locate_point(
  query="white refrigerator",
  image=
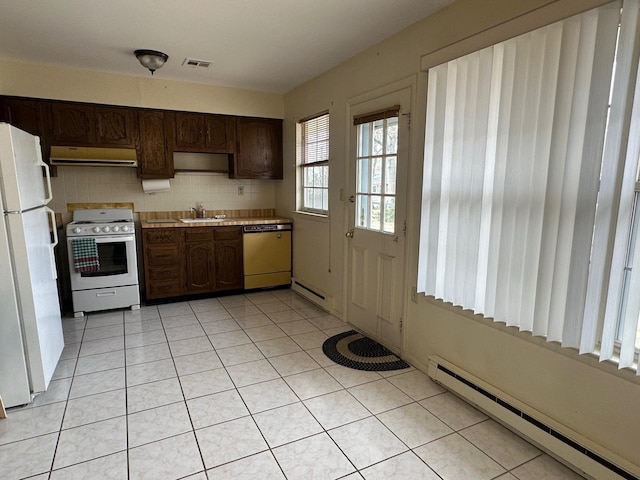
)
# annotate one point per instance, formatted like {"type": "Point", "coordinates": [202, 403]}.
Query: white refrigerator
{"type": "Point", "coordinates": [31, 338]}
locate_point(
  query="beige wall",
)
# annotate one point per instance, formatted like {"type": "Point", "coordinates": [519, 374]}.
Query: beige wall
{"type": "Point", "coordinates": [87, 184]}
{"type": "Point", "coordinates": [61, 83]}
{"type": "Point", "coordinates": [116, 185]}
{"type": "Point", "coordinates": [595, 400]}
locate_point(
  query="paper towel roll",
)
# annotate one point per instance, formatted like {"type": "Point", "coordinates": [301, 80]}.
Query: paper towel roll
{"type": "Point", "coordinates": [155, 186]}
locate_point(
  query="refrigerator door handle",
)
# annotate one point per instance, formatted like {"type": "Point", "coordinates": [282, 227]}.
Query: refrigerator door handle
{"type": "Point", "coordinates": [52, 256]}
{"type": "Point", "coordinates": [47, 175]}
{"type": "Point", "coordinates": [52, 216]}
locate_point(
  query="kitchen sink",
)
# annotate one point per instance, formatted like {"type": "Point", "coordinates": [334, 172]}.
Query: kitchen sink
{"type": "Point", "coordinates": [201, 220]}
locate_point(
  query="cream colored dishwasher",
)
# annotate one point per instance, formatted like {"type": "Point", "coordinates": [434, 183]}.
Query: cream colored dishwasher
{"type": "Point", "coordinates": [267, 255]}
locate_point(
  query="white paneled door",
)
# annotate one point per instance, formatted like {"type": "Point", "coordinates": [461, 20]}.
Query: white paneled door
{"type": "Point", "coordinates": [378, 163]}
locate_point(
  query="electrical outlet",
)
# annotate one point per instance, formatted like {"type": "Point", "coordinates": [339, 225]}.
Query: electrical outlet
{"type": "Point", "coordinates": [240, 189]}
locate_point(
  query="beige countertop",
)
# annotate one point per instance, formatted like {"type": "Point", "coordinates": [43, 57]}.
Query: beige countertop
{"type": "Point", "coordinates": [174, 222]}
{"type": "Point", "coordinates": [170, 219]}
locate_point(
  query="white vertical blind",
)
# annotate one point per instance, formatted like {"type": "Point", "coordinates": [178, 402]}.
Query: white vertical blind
{"type": "Point", "coordinates": [513, 146]}
{"type": "Point", "coordinates": [605, 289]}
{"type": "Point", "coordinates": [619, 176]}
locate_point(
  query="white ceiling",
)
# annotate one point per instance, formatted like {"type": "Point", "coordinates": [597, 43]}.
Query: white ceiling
{"type": "Point", "coordinates": [267, 45]}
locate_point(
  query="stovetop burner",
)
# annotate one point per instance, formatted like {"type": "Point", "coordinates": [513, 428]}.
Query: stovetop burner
{"type": "Point", "coordinates": [90, 222]}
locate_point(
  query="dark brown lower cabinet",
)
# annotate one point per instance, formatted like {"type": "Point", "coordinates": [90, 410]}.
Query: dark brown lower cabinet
{"type": "Point", "coordinates": [228, 258]}
{"type": "Point", "coordinates": [187, 261]}
{"type": "Point", "coordinates": [199, 260]}
{"type": "Point", "coordinates": [163, 262]}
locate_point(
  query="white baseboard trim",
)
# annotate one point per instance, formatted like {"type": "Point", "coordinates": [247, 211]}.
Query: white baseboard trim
{"type": "Point", "coordinates": [567, 446]}
{"type": "Point", "coordinates": [313, 294]}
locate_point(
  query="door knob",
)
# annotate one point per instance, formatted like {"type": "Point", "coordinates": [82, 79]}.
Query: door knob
{"type": "Point", "coordinates": [352, 198]}
{"type": "Point", "coordinates": [349, 233]}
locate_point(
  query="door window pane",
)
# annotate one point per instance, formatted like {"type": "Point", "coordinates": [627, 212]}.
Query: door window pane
{"type": "Point", "coordinates": [374, 219]}
{"type": "Point", "coordinates": [376, 168]}
{"type": "Point", "coordinates": [389, 214]}
{"type": "Point", "coordinates": [362, 211]}
{"type": "Point", "coordinates": [363, 176]}
{"type": "Point", "coordinates": [392, 136]}
{"type": "Point", "coordinates": [376, 175]}
{"type": "Point", "coordinates": [390, 176]}
{"type": "Point", "coordinates": [378, 137]}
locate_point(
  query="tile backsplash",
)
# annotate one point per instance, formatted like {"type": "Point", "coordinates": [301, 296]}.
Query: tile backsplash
{"type": "Point", "coordinates": [119, 184]}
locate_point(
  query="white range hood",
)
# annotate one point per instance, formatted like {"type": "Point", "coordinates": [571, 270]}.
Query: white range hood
{"type": "Point", "coordinates": [93, 156]}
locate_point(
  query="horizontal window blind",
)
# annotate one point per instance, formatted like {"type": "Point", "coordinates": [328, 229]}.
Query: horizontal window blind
{"type": "Point", "coordinates": [377, 115]}
{"type": "Point", "coordinates": [313, 159]}
{"type": "Point", "coordinates": [315, 140]}
{"type": "Point", "coordinates": [513, 148]}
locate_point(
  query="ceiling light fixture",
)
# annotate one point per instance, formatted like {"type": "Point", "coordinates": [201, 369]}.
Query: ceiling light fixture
{"type": "Point", "coordinates": [151, 59]}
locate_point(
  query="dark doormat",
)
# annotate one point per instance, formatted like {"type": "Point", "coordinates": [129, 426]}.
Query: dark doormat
{"type": "Point", "coordinates": [354, 350]}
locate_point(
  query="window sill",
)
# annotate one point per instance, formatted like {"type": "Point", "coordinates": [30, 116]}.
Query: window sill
{"type": "Point", "coordinates": [591, 359]}
{"type": "Point", "coordinates": [319, 216]}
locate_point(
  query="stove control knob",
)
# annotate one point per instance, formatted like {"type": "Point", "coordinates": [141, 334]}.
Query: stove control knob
{"type": "Point", "coordinates": [115, 229]}
{"type": "Point", "coordinates": [125, 228]}
{"type": "Point", "coordinates": [77, 230]}
{"type": "Point", "coordinates": [105, 229]}
{"type": "Point", "coordinates": [96, 229]}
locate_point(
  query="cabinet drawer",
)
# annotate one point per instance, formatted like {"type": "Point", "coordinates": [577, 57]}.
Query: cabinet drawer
{"type": "Point", "coordinates": [198, 235]}
{"type": "Point", "coordinates": [163, 289]}
{"type": "Point", "coordinates": [162, 256]}
{"type": "Point", "coordinates": [160, 274]}
{"type": "Point", "coordinates": [161, 236]}
{"type": "Point", "coordinates": [227, 233]}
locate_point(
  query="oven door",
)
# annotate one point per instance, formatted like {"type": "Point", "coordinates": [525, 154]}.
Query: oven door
{"type": "Point", "coordinates": [118, 265]}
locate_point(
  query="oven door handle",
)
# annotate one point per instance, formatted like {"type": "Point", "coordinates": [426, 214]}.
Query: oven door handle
{"type": "Point", "coordinates": [123, 238]}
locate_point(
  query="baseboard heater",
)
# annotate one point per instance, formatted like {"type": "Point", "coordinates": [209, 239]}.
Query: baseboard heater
{"type": "Point", "coordinates": [570, 448]}
{"type": "Point", "coordinates": [312, 294]}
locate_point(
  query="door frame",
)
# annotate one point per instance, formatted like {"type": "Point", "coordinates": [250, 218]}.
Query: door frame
{"type": "Point", "coordinates": [409, 83]}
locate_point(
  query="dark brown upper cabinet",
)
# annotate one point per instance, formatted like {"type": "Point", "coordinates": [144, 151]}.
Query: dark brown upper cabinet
{"type": "Point", "coordinates": [155, 157]}
{"type": "Point", "coordinates": [26, 114]}
{"type": "Point", "coordinates": [71, 124]}
{"type": "Point", "coordinates": [258, 148]}
{"type": "Point", "coordinates": [199, 132]}
{"type": "Point", "coordinates": [77, 124]}
{"type": "Point", "coordinates": [115, 126]}
{"type": "Point", "coordinates": [254, 144]}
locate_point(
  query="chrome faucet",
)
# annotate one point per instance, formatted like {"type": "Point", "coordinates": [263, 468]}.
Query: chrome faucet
{"type": "Point", "coordinates": [199, 210]}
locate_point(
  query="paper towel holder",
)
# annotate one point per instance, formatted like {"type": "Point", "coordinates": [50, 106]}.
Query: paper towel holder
{"type": "Point", "coordinates": [153, 186]}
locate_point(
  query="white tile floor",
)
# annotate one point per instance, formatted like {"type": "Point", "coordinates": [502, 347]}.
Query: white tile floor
{"type": "Point", "coordinates": [238, 387]}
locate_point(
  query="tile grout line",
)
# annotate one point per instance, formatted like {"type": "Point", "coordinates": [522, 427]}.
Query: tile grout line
{"type": "Point", "coordinates": [64, 413]}
{"type": "Point", "coordinates": [184, 398]}
{"type": "Point", "coordinates": [269, 361]}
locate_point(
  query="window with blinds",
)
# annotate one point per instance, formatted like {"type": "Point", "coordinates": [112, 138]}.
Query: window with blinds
{"type": "Point", "coordinates": [313, 162]}
{"type": "Point", "coordinates": [529, 207]}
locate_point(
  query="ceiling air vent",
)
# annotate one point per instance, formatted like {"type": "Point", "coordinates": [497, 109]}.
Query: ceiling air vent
{"type": "Point", "coordinates": [193, 63]}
